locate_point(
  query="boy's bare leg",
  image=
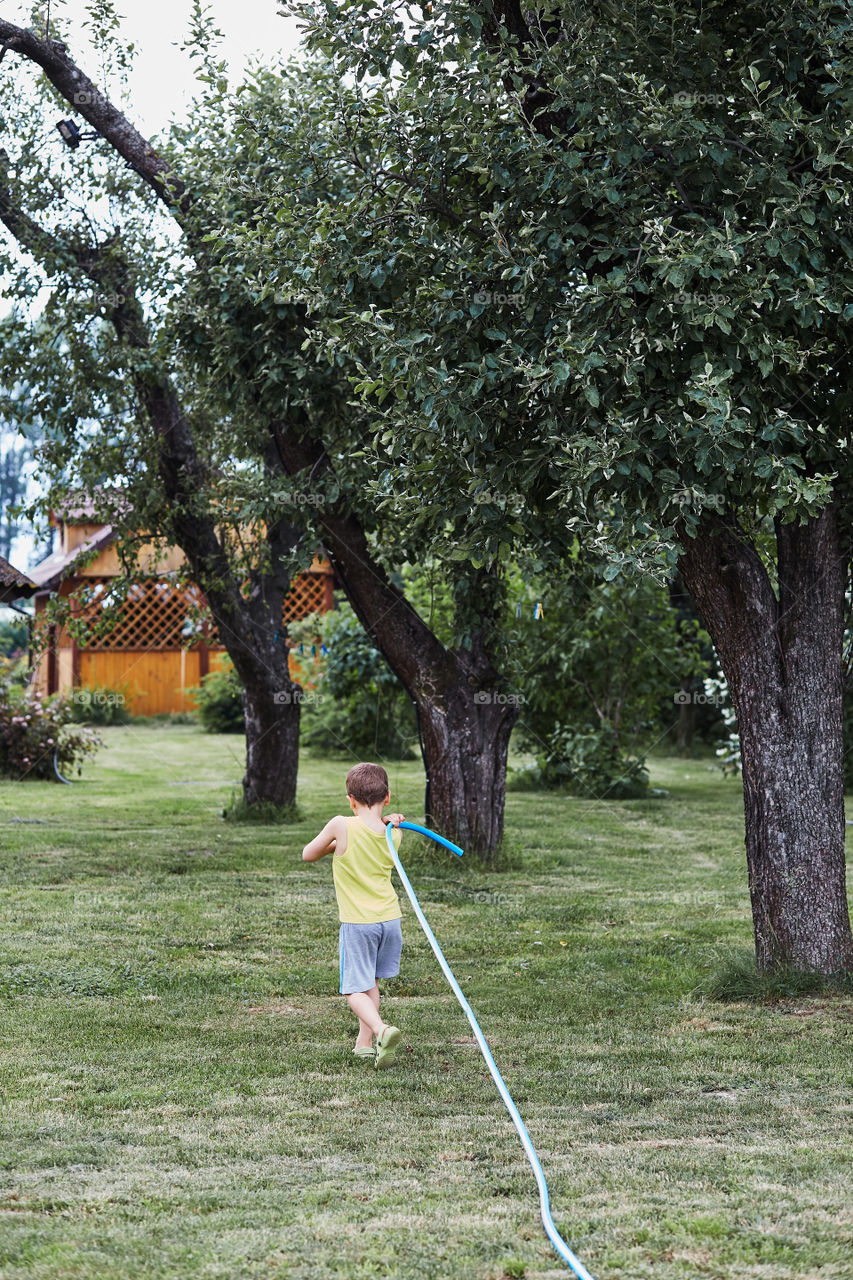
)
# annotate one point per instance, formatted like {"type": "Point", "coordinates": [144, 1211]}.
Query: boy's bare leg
{"type": "Point", "coordinates": [365, 1006]}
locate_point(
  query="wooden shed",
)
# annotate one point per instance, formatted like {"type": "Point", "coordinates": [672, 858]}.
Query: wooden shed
{"type": "Point", "coordinates": [156, 649]}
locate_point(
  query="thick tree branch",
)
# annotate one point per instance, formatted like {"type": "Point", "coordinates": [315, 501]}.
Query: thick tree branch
{"type": "Point", "coordinates": [726, 578]}
{"type": "Point", "coordinates": [539, 99]}
{"type": "Point", "coordinates": [383, 610]}
{"type": "Point", "coordinates": [76, 87]}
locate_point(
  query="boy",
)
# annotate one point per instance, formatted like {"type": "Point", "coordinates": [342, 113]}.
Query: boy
{"type": "Point", "coordinates": [370, 937]}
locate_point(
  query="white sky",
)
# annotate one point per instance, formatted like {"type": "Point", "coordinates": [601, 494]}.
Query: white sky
{"type": "Point", "coordinates": [162, 77]}
{"type": "Point", "coordinates": [161, 82]}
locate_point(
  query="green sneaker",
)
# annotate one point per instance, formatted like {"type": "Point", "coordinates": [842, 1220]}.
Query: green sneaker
{"type": "Point", "coordinates": [386, 1046]}
{"type": "Point", "coordinates": [365, 1051]}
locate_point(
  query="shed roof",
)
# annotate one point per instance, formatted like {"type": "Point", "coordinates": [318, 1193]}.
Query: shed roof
{"type": "Point", "coordinates": [13, 583]}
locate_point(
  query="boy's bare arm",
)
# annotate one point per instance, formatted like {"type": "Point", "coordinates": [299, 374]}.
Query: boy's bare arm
{"type": "Point", "coordinates": [331, 837]}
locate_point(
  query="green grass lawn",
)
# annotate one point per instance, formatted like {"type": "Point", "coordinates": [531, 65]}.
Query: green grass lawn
{"type": "Point", "coordinates": [177, 1092]}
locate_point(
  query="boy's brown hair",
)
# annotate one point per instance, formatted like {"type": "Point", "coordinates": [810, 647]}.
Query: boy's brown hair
{"type": "Point", "coordinates": [367, 783]}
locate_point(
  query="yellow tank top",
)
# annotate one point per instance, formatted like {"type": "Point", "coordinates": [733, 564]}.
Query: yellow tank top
{"type": "Point", "coordinates": [363, 876]}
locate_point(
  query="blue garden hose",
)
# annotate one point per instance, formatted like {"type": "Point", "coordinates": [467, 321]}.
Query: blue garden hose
{"type": "Point", "coordinates": [544, 1202]}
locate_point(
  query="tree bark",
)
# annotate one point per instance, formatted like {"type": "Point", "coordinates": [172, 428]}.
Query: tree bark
{"type": "Point", "coordinates": [782, 658]}
{"type": "Point", "coordinates": [465, 742]}
{"type": "Point", "coordinates": [464, 718]}
{"type": "Point", "coordinates": [271, 706]}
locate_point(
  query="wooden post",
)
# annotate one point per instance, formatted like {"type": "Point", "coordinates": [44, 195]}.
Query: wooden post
{"type": "Point", "coordinates": [52, 673]}
{"type": "Point", "coordinates": [203, 655]}
{"type": "Point", "coordinates": [75, 664]}
{"type": "Point", "coordinates": [75, 648]}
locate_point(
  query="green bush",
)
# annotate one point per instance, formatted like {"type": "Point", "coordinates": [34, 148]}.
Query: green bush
{"type": "Point", "coordinates": [585, 764]}
{"type": "Point", "coordinates": [353, 704]}
{"type": "Point", "coordinates": [14, 637]}
{"type": "Point", "coordinates": [180, 717]}
{"type": "Point", "coordinates": [99, 704]}
{"type": "Point", "coordinates": [595, 667]}
{"type": "Point", "coordinates": [604, 655]}
{"type": "Point", "coordinates": [14, 671]}
{"type": "Point", "coordinates": [35, 731]}
{"type": "Point", "coordinates": [219, 699]}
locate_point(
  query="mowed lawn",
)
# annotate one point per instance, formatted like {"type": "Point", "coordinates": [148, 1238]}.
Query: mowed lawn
{"type": "Point", "coordinates": [178, 1097]}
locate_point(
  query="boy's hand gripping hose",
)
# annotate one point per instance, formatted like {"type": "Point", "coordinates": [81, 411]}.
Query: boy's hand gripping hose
{"type": "Point", "coordinates": [544, 1203]}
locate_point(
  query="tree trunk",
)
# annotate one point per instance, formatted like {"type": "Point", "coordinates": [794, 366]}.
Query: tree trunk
{"type": "Point", "coordinates": [465, 721]}
{"type": "Point", "coordinates": [465, 744]}
{"type": "Point", "coordinates": [782, 658]}
{"type": "Point", "coordinates": [272, 740]}
{"type": "Point", "coordinates": [251, 628]}
{"type": "Point", "coordinates": [254, 638]}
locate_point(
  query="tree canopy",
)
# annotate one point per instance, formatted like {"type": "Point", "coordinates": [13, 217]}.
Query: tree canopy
{"type": "Point", "coordinates": [584, 255]}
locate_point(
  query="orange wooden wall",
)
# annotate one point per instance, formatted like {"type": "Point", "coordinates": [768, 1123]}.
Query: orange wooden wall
{"type": "Point", "coordinates": [154, 681]}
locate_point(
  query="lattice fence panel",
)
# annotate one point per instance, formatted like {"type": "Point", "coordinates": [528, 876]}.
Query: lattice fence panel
{"type": "Point", "coordinates": [307, 594]}
{"type": "Point", "coordinates": [155, 614]}
{"type": "Point", "coordinates": [159, 614]}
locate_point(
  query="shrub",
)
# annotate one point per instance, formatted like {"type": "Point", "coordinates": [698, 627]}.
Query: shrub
{"type": "Point", "coordinates": [14, 671]}
{"type": "Point", "coordinates": [219, 699]}
{"type": "Point", "coordinates": [595, 668]}
{"type": "Point", "coordinates": [99, 704]}
{"type": "Point", "coordinates": [35, 731]}
{"type": "Point", "coordinates": [14, 637]}
{"type": "Point", "coordinates": [181, 717]}
{"type": "Point", "coordinates": [357, 706]}
{"type": "Point", "coordinates": [585, 763]}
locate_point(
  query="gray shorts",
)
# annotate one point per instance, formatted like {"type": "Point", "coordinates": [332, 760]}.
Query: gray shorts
{"type": "Point", "coordinates": [368, 952]}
